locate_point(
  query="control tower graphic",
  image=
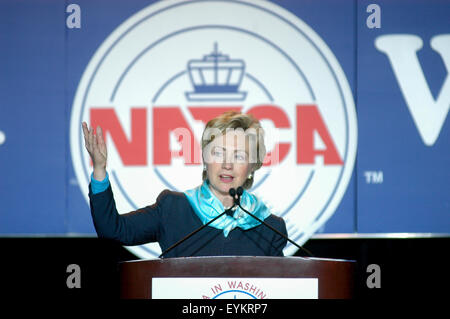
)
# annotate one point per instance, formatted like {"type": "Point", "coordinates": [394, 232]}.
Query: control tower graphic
{"type": "Point", "coordinates": [216, 77]}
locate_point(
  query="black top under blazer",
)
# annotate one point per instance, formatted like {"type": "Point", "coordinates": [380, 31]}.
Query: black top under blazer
{"type": "Point", "coordinates": [171, 218]}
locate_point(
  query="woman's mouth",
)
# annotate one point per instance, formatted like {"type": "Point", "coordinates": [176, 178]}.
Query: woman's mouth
{"type": "Point", "coordinates": [226, 178]}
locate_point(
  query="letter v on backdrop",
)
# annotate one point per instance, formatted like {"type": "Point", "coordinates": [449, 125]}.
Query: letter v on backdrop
{"type": "Point", "coordinates": [428, 114]}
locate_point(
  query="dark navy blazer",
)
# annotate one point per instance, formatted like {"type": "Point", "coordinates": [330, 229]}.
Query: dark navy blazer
{"type": "Point", "coordinates": [171, 218]}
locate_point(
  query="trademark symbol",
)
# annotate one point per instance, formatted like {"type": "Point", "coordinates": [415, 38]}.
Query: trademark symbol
{"type": "Point", "coordinates": [374, 177]}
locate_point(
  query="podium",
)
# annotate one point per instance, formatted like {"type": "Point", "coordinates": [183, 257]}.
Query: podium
{"type": "Point", "coordinates": [334, 278]}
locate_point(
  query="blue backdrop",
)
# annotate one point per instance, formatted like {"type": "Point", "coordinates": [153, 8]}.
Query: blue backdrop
{"type": "Point", "coordinates": [399, 183]}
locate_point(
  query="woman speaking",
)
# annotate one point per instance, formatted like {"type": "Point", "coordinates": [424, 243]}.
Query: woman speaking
{"type": "Point", "coordinates": [232, 150]}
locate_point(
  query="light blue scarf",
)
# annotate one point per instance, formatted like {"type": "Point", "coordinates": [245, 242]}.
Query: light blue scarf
{"type": "Point", "coordinates": [207, 206]}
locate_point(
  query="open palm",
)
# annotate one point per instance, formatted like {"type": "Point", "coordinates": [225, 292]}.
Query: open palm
{"type": "Point", "coordinates": [96, 146]}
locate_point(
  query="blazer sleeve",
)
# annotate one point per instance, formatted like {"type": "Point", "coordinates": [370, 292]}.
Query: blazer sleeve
{"type": "Point", "coordinates": [134, 228]}
{"type": "Point", "coordinates": [279, 242]}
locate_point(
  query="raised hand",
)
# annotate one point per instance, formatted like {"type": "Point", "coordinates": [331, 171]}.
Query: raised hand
{"type": "Point", "coordinates": [96, 147]}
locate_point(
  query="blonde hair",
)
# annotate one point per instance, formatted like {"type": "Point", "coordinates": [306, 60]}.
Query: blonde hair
{"type": "Point", "coordinates": [237, 120]}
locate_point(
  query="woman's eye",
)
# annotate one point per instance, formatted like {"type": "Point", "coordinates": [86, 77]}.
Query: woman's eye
{"type": "Point", "coordinates": [240, 157]}
{"type": "Point", "coordinates": [217, 153]}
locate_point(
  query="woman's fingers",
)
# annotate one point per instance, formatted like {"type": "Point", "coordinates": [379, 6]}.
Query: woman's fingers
{"type": "Point", "coordinates": [94, 143]}
{"type": "Point", "coordinates": [96, 140]}
{"type": "Point", "coordinates": [85, 129]}
{"type": "Point", "coordinates": [86, 136]}
{"type": "Point", "coordinates": [100, 136]}
{"type": "Point", "coordinates": [101, 141]}
{"type": "Point", "coordinates": [91, 139]}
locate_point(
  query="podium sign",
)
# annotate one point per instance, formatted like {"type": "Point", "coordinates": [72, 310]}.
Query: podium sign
{"type": "Point", "coordinates": [235, 288]}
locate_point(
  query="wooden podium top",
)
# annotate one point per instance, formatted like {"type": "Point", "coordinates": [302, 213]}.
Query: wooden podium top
{"type": "Point", "coordinates": [336, 277]}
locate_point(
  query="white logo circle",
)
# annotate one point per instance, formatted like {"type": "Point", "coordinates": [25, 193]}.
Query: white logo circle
{"type": "Point", "coordinates": [178, 63]}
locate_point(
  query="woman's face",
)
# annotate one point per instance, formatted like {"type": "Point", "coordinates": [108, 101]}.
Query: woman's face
{"type": "Point", "coordinates": [227, 162]}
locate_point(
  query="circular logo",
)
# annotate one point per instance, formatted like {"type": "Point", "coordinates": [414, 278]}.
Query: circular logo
{"type": "Point", "coordinates": [163, 73]}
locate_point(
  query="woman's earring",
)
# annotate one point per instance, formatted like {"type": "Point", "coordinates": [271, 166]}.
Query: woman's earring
{"type": "Point", "coordinates": [204, 168]}
{"type": "Point", "coordinates": [250, 176]}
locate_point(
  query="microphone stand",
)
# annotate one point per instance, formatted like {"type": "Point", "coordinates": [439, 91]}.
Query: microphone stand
{"type": "Point", "coordinates": [237, 201]}
{"type": "Point", "coordinates": [227, 211]}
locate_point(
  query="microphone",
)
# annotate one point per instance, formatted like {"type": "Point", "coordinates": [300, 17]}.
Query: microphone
{"type": "Point", "coordinates": [226, 211]}
{"type": "Point", "coordinates": [237, 201]}
{"type": "Point", "coordinates": [233, 193]}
